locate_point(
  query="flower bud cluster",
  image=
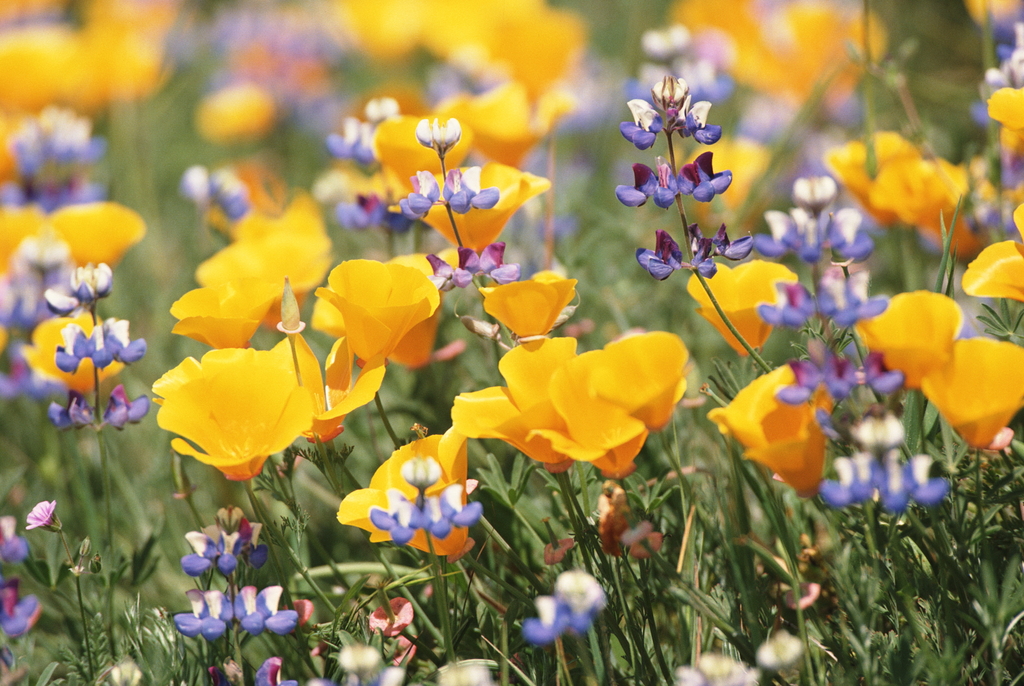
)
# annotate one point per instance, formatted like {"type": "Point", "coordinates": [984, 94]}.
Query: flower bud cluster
{"type": "Point", "coordinates": [490, 262]}
{"type": "Point", "coordinates": [222, 189]}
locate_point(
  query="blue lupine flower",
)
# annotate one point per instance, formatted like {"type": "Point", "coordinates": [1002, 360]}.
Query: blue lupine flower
{"type": "Point", "coordinates": [17, 615]}
{"type": "Point", "coordinates": [795, 308]}
{"type": "Point", "coordinates": [13, 548]}
{"type": "Point", "coordinates": [838, 373]}
{"type": "Point", "coordinates": [258, 611]}
{"type": "Point", "coordinates": [695, 124]}
{"type": "Point", "coordinates": [121, 410]}
{"type": "Point", "coordinates": [700, 180]}
{"type": "Point", "coordinates": [462, 191]}
{"type": "Point", "coordinates": [355, 142]}
{"type": "Point", "coordinates": [646, 124]}
{"type": "Point", "coordinates": [425, 193]}
{"type": "Point", "coordinates": [222, 189]}
{"type": "Point", "coordinates": [23, 380]}
{"type": "Point", "coordinates": [858, 477]}
{"type": "Point", "coordinates": [899, 484]}
{"type": "Point", "coordinates": [846, 300]}
{"type": "Point", "coordinates": [645, 182]}
{"type": "Point", "coordinates": [366, 211]}
{"type": "Point", "coordinates": [117, 341]}
{"type": "Point", "coordinates": [682, 115]}
{"type": "Point", "coordinates": [847, 237]}
{"type": "Point", "coordinates": [490, 262]}
{"type": "Point", "coordinates": [223, 544]}
{"type": "Point", "coordinates": [77, 347]}
{"type": "Point", "coordinates": [664, 259]}
{"type": "Point", "coordinates": [88, 284]}
{"type": "Point", "coordinates": [269, 674]}
{"type": "Point", "coordinates": [211, 612]}
{"type": "Point", "coordinates": [879, 378]}
{"type": "Point", "coordinates": [77, 413]}
{"type": "Point", "coordinates": [576, 603]}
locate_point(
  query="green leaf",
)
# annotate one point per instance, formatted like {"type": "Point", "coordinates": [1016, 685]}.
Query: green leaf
{"type": "Point", "coordinates": [44, 678]}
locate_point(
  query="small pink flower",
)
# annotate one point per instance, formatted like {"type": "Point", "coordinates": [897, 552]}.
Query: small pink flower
{"type": "Point", "coordinates": [1002, 439]}
{"type": "Point", "coordinates": [42, 515]}
{"type": "Point", "coordinates": [552, 555]}
{"type": "Point", "coordinates": [304, 608]}
{"type": "Point", "coordinates": [405, 653]}
{"type": "Point", "coordinates": [635, 539]}
{"type": "Point", "coordinates": [809, 592]}
{"type": "Point", "coordinates": [403, 612]}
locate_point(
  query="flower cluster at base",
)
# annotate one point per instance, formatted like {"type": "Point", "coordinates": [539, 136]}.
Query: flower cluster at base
{"type": "Point", "coordinates": [667, 258]}
{"type": "Point", "coordinates": [224, 544]}
{"type": "Point", "coordinates": [577, 600]}
{"type": "Point", "coordinates": [254, 612]}
{"type": "Point", "coordinates": [490, 262]}
{"type": "Point", "coordinates": [17, 615]}
{"type": "Point", "coordinates": [435, 515]}
{"type": "Point", "coordinates": [461, 193]}
{"type": "Point", "coordinates": [78, 412]}
{"type": "Point", "coordinates": [843, 299]}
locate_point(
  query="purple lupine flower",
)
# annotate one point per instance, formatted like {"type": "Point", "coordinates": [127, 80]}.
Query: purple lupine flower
{"type": "Point", "coordinates": [258, 611]}
{"type": "Point", "coordinates": [218, 677]}
{"type": "Point", "coordinates": [847, 237]}
{"type": "Point", "coordinates": [77, 347]}
{"type": "Point", "coordinates": [269, 674]}
{"type": "Point", "coordinates": [798, 232]}
{"type": "Point", "coordinates": [355, 142]}
{"type": "Point", "coordinates": [699, 179]}
{"type": "Point", "coordinates": [17, 615]}
{"type": "Point", "coordinates": [837, 373]}
{"type": "Point", "coordinates": [88, 284]}
{"type": "Point", "coordinates": [117, 341]}
{"type": "Point", "coordinates": [366, 211]}
{"type": "Point", "coordinates": [77, 413]}
{"type": "Point", "coordinates": [121, 410]}
{"type": "Point", "coordinates": [879, 378]}
{"type": "Point", "coordinates": [211, 612]}
{"type": "Point", "coordinates": [223, 544]}
{"type": "Point", "coordinates": [42, 516]}
{"type": "Point", "coordinates": [425, 193]}
{"type": "Point", "coordinates": [455, 512]}
{"type": "Point", "coordinates": [846, 300]}
{"type": "Point", "coordinates": [645, 183]}
{"type": "Point", "coordinates": [490, 262]}
{"type": "Point", "coordinates": [695, 124]}
{"type": "Point", "coordinates": [462, 191]}
{"type": "Point", "coordinates": [24, 380]}
{"type": "Point", "coordinates": [858, 477]}
{"type": "Point", "coordinates": [13, 548]}
{"type": "Point", "coordinates": [577, 600]}
{"type": "Point", "coordinates": [795, 307]}
{"type": "Point", "coordinates": [668, 185]}
{"type": "Point", "coordinates": [402, 518]}
{"type": "Point", "coordinates": [899, 484]}
{"type": "Point", "coordinates": [731, 250]}
{"type": "Point", "coordinates": [683, 116]}
{"type": "Point", "coordinates": [664, 259]}
{"type": "Point", "coordinates": [643, 130]}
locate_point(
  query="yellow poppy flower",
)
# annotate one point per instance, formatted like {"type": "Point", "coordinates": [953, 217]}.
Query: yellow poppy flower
{"type": "Point", "coordinates": [401, 155]}
{"type": "Point", "coordinates": [979, 389]}
{"type": "Point", "coordinates": [505, 124]}
{"type": "Point", "coordinates": [379, 303]}
{"type": "Point", "coordinates": [98, 231]}
{"type": "Point", "coordinates": [41, 355]}
{"type": "Point", "coordinates": [915, 334]}
{"type": "Point", "coordinates": [3, 339]}
{"type": "Point", "coordinates": [785, 438]}
{"type": "Point", "coordinates": [226, 315]}
{"type": "Point", "coordinates": [340, 393]}
{"type": "Point", "coordinates": [235, 114]}
{"type": "Point", "coordinates": [449, 451]}
{"type": "Point", "coordinates": [17, 224]}
{"type": "Point", "coordinates": [998, 272]}
{"type": "Point", "coordinates": [37, 62]}
{"type": "Point", "coordinates": [739, 290]}
{"type": "Point", "coordinates": [239, 406]}
{"type": "Point", "coordinates": [1006, 106]}
{"type": "Point", "coordinates": [529, 308]}
{"type": "Point", "coordinates": [117, 61]}
{"type": "Point", "coordinates": [480, 228]}
{"type": "Point", "coordinates": [849, 164]}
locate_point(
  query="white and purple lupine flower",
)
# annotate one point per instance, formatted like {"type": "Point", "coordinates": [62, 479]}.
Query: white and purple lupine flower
{"type": "Point", "coordinates": [77, 413]}
{"type": "Point", "coordinates": [882, 380]}
{"type": "Point", "coordinates": [440, 137]}
{"type": "Point", "coordinates": [462, 191]}
{"type": "Point", "coordinates": [88, 284]}
{"type": "Point", "coordinates": [13, 548]}
{"type": "Point", "coordinates": [796, 306]}
{"type": "Point", "coordinates": [269, 674]}
{"type": "Point", "coordinates": [665, 259]}
{"type": "Point", "coordinates": [258, 611]}
{"type": "Point", "coordinates": [104, 345]}
{"type": "Point", "coordinates": [222, 189]}
{"type": "Point", "coordinates": [807, 235]}
{"type": "Point", "coordinates": [682, 115]}
{"type": "Point", "coordinates": [122, 410]}
{"type": "Point", "coordinates": [646, 124]}
{"type": "Point", "coordinates": [858, 477]}
{"type": "Point", "coordinates": [17, 615]}
{"type": "Point", "coordinates": [425, 193]}
{"type": "Point", "coordinates": [576, 603]}
{"type": "Point", "coordinates": [369, 211]}
{"type": "Point", "coordinates": [365, 668]}
{"type": "Point", "coordinates": [217, 546]}
{"type": "Point", "coordinates": [897, 484]}
{"type": "Point", "coordinates": [211, 611]}
{"type": "Point", "coordinates": [699, 179]}
{"type": "Point", "coordinates": [837, 373]}
{"type": "Point", "coordinates": [659, 183]}
{"type": "Point", "coordinates": [355, 142]}
{"type": "Point", "coordinates": [846, 300]}
{"type": "Point", "coordinates": [490, 262]}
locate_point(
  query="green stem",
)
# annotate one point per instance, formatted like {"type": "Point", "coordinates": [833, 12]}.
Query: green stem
{"type": "Point", "coordinates": [81, 609]}
{"type": "Point", "coordinates": [451, 215]}
{"type": "Point", "coordinates": [387, 424]}
{"type": "Point", "coordinates": [871, 160]}
{"type": "Point", "coordinates": [441, 596]}
{"type": "Point", "coordinates": [765, 367]}
{"type": "Point", "coordinates": [513, 555]}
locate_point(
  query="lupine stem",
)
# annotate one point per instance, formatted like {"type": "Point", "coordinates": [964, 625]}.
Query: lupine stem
{"type": "Point", "coordinates": [448, 207]}
{"type": "Point", "coordinates": [81, 608]}
{"type": "Point", "coordinates": [441, 594]}
{"type": "Point", "coordinates": [732, 329]}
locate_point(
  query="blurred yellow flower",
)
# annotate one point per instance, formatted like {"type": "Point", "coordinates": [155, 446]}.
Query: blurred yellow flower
{"type": "Point", "coordinates": [401, 155]}
{"type": "Point", "coordinates": [98, 231]}
{"type": "Point", "coordinates": [379, 303]}
{"type": "Point", "coordinates": [739, 290]}
{"type": "Point", "coordinates": [17, 224]}
{"type": "Point", "coordinates": [449, 451]}
{"type": "Point", "coordinates": [480, 228]}
{"type": "Point", "coordinates": [850, 165]}
{"type": "Point", "coordinates": [915, 334]}
{"type": "Point", "coordinates": [979, 389]}
{"type": "Point", "coordinates": [505, 124]}
{"type": "Point", "coordinates": [226, 315]}
{"type": "Point", "coordinates": [1006, 106]}
{"type": "Point", "coordinates": [596, 407]}
{"type": "Point", "coordinates": [238, 406]}
{"type": "Point", "coordinates": [235, 114]}
{"type": "Point", "coordinates": [339, 393]}
{"type": "Point", "coordinates": [785, 438]}
{"type": "Point", "coordinates": [41, 355]}
{"type": "Point", "coordinates": [1000, 9]}
{"type": "Point", "coordinates": [998, 272]}
{"type": "Point", "coordinates": [37, 62]}
{"type": "Point", "coordinates": [529, 308]}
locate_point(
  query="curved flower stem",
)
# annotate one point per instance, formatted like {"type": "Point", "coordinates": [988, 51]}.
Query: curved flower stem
{"type": "Point", "coordinates": [441, 594]}
{"type": "Point", "coordinates": [451, 215]}
{"type": "Point", "coordinates": [765, 367]}
{"type": "Point", "coordinates": [387, 424]}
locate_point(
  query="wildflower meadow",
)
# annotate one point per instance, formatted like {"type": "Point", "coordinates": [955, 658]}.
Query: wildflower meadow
{"type": "Point", "coordinates": [533, 342]}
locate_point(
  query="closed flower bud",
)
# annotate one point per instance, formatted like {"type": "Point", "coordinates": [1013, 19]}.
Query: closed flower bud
{"type": "Point", "coordinates": [421, 472]}
{"type": "Point", "coordinates": [440, 137]}
{"type": "Point", "coordinates": [670, 93]}
{"type": "Point", "coordinates": [814, 193]}
{"type": "Point", "coordinates": [482, 329]}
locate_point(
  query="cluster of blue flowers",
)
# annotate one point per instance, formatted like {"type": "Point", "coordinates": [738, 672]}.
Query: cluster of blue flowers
{"type": "Point", "coordinates": [490, 262]}
{"type": "Point", "coordinates": [434, 514]}
{"type": "Point", "coordinates": [577, 600]}
{"type": "Point", "coordinates": [842, 299]}
{"type": "Point", "coordinates": [17, 615]}
{"type": "Point", "coordinates": [667, 258]}
{"type": "Point", "coordinates": [221, 189]}
{"type": "Point", "coordinates": [232, 539]}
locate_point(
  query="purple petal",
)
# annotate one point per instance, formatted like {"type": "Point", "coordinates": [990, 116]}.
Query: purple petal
{"type": "Point", "coordinates": [486, 199]}
{"type": "Point", "coordinates": [627, 195]}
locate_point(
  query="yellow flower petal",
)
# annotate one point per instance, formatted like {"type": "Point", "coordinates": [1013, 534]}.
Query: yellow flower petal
{"type": "Point", "coordinates": [1006, 106]}
{"type": "Point", "coordinates": [226, 315]}
{"type": "Point", "coordinates": [235, 114]}
{"type": "Point", "coordinates": [98, 231]}
{"type": "Point", "coordinates": [998, 272]}
{"type": "Point", "coordinates": [529, 308]}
